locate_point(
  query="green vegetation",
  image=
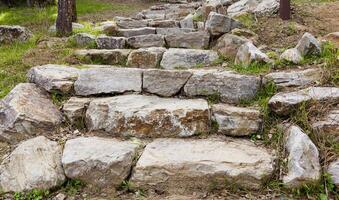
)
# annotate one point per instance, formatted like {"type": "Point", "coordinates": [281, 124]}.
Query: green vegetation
{"type": "Point", "coordinates": [248, 20]}
{"type": "Point", "coordinates": [89, 28]}
{"type": "Point", "coordinates": [32, 195]}
{"type": "Point", "coordinates": [253, 68]}
{"type": "Point", "coordinates": [72, 187]}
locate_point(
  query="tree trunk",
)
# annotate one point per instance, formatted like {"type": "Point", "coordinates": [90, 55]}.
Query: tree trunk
{"type": "Point", "coordinates": [285, 9]}
{"type": "Point", "coordinates": [64, 19]}
{"type": "Point", "coordinates": [74, 13]}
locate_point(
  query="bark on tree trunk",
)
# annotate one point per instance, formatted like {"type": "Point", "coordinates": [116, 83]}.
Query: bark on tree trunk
{"type": "Point", "coordinates": [64, 19]}
{"type": "Point", "coordinates": [74, 13]}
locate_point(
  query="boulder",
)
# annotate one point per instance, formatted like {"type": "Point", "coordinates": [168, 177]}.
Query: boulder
{"type": "Point", "coordinates": [267, 7]}
{"type": "Point", "coordinates": [75, 108]}
{"type": "Point", "coordinates": [284, 102]}
{"type": "Point", "coordinates": [188, 165]}
{"type": "Point", "coordinates": [170, 31]}
{"type": "Point", "coordinates": [308, 45]}
{"type": "Point", "coordinates": [329, 123]}
{"type": "Point", "coordinates": [10, 34]}
{"type": "Point", "coordinates": [27, 111]}
{"type": "Point", "coordinates": [144, 41]}
{"type": "Point", "coordinates": [236, 121]}
{"type": "Point", "coordinates": [191, 40]}
{"type": "Point", "coordinates": [228, 45]}
{"type": "Point", "coordinates": [295, 78]}
{"type": "Point", "coordinates": [148, 116]}
{"type": "Point", "coordinates": [218, 24]}
{"type": "Point", "coordinates": [175, 58]}
{"type": "Point", "coordinates": [126, 23]}
{"type": "Point", "coordinates": [333, 170]}
{"type": "Point", "coordinates": [303, 158]}
{"type": "Point", "coordinates": [164, 23]}
{"type": "Point", "coordinates": [248, 53]}
{"type": "Point", "coordinates": [165, 82]}
{"type": "Point", "coordinates": [187, 22]}
{"type": "Point", "coordinates": [246, 33]}
{"type": "Point", "coordinates": [146, 57]}
{"type": "Point", "coordinates": [136, 32]}
{"type": "Point", "coordinates": [291, 55]}
{"type": "Point", "coordinates": [258, 7]}
{"type": "Point", "coordinates": [84, 39]}
{"type": "Point", "coordinates": [226, 85]}
{"type": "Point", "coordinates": [34, 164]}
{"type": "Point", "coordinates": [104, 56]}
{"type": "Point", "coordinates": [218, 6]}
{"type": "Point", "coordinates": [99, 162]}
{"type": "Point", "coordinates": [109, 42]}
{"type": "Point", "coordinates": [108, 81]}
{"type": "Point", "coordinates": [54, 78]}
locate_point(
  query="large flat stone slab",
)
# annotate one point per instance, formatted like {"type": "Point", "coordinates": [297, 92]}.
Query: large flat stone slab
{"type": "Point", "coordinates": [108, 81]}
{"type": "Point", "coordinates": [229, 86]}
{"type": "Point", "coordinates": [34, 164]}
{"type": "Point", "coordinates": [104, 56]}
{"type": "Point", "coordinates": [27, 111]}
{"type": "Point", "coordinates": [144, 41]}
{"type": "Point", "coordinates": [284, 102]}
{"type": "Point", "coordinates": [148, 116]}
{"type": "Point", "coordinates": [187, 58]}
{"type": "Point", "coordinates": [329, 123]}
{"type": "Point", "coordinates": [100, 162]}
{"type": "Point", "coordinates": [146, 57]}
{"type": "Point", "coordinates": [186, 165]}
{"type": "Point", "coordinates": [109, 42]}
{"type": "Point", "coordinates": [190, 40]}
{"type": "Point", "coordinates": [58, 78]}
{"type": "Point", "coordinates": [136, 31]}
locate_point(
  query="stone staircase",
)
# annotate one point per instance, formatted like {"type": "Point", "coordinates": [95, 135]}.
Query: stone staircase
{"type": "Point", "coordinates": [145, 114]}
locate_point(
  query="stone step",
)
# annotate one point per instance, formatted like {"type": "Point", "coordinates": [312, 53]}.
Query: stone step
{"type": "Point", "coordinates": [227, 86]}
{"type": "Point", "coordinates": [186, 165]}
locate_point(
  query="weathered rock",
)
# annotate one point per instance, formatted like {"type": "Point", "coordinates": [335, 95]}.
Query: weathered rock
{"type": "Point", "coordinates": [228, 45]}
{"type": "Point", "coordinates": [59, 78]}
{"type": "Point", "coordinates": [170, 31]}
{"type": "Point", "coordinates": [108, 81]}
{"type": "Point", "coordinates": [258, 7]}
{"type": "Point", "coordinates": [75, 109]}
{"type": "Point", "coordinates": [200, 26]}
{"type": "Point", "coordinates": [34, 164]}
{"type": "Point", "coordinates": [148, 116]}
{"type": "Point", "coordinates": [218, 24]}
{"type": "Point", "coordinates": [125, 23]}
{"type": "Point", "coordinates": [187, 58]}
{"type": "Point", "coordinates": [163, 23]}
{"type": "Point", "coordinates": [284, 102]}
{"type": "Point", "coordinates": [100, 162]}
{"type": "Point", "coordinates": [136, 32]}
{"type": "Point", "coordinates": [109, 42]}
{"type": "Point", "coordinates": [192, 40]}
{"type": "Point", "coordinates": [27, 111]}
{"type": "Point", "coordinates": [303, 158]}
{"type": "Point", "coordinates": [75, 26]}
{"type": "Point", "coordinates": [218, 6]}
{"type": "Point", "coordinates": [248, 53]}
{"type": "Point", "coordinates": [295, 78]}
{"type": "Point", "coordinates": [308, 45]}
{"type": "Point", "coordinates": [267, 7]}
{"type": "Point", "coordinates": [291, 55]}
{"type": "Point", "coordinates": [328, 124]}
{"type": "Point", "coordinates": [144, 41]}
{"type": "Point", "coordinates": [200, 163]}
{"type": "Point", "coordinates": [155, 14]}
{"type": "Point", "coordinates": [165, 82]}
{"type": "Point", "coordinates": [246, 33]}
{"type": "Point", "coordinates": [228, 86]}
{"type": "Point", "coordinates": [146, 57]}
{"type": "Point", "coordinates": [9, 34]}
{"type": "Point", "coordinates": [104, 56]}
{"type": "Point", "coordinates": [187, 22]}
{"type": "Point", "coordinates": [84, 39]}
{"type": "Point", "coordinates": [333, 38]}
{"type": "Point", "coordinates": [108, 27]}
{"type": "Point", "coordinates": [236, 121]}
{"type": "Point", "coordinates": [333, 170]}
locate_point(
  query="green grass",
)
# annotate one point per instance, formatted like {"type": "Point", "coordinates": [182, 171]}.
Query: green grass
{"type": "Point", "coordinates": [253, 68]}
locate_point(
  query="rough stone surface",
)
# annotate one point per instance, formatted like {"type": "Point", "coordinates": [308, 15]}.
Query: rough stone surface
{"type": "Point", "coordinates": [283, 102]}
{"type": "Point", "coordinates": [248, 53]}
{"type": "Point", "coordinates": [187, 22]}
{"type": "Point", "coordinates": [100, 162]}
{"type": "Point", "coordinates": [75, 108]}
{"type": "Point", "coordinates": [108, 81]}
{"type": "Point", "coordinates": [333, 169]}
{"type": "Point", "coordinates": [108, 27]}
{"type": "Point", "coordinates": [258, 7]}
{"type": "Point", "coordinates": [308, 45]}
{"type": "Point", "coordinates": [126, 23]}
{"type": "Point", "coordinates": [136, 32]}
{"type": "Point", "coordinates": [27, 111]}
{"type": "Point", "coordinates": [236, 121]}
{"type": "Point", "coordinates": [163, 23]}
{"type": "Point", "coordinates": [187, 58]}
{"type": "Point", "coordinates": [57, 78]}
{"type": "Point", "coordinates": [84, 39]}
{"type": "Point", "coordinates": [104, 56]}
{"type": "Point", "coordinates": [228, 86]}
{"type": "Point", "coordinates": [146, 57]}
{"type": "Point", "coordinates": [291, 55]}
{"type": "Point", "coordinates": [191, 40]}
{"type": "Point", "coordinates": [218, 24]}
{"type": "Point", "coordinates": [303, 158]}
{"type": "Point", "coordinates": [148, 116]}
{"type": "Point", "coordinates": [34, 164]}
{"type": "Point", "coordinates": [267, 7]}
{"type": "Point", "coordinates": [165, 82]}
{"type": "Point", "coordinates": [228, 45]}
{"type": "Point", "coordinates": [329, 123]}
{"type": "Point", "coordinates": [295, 78]}
{"type": "Point", "coordinates": [186, 165]}
{"type": "Point", "coordinates": [170, 31]}
{"type": "Point", "coordinates": [144, 41]}
{"type": "Point", "coordinates": [246, 33]}
{"type": "Point", "coordinates": [9, 34]}
{"type": "Point", "coordinates": [109, 42]}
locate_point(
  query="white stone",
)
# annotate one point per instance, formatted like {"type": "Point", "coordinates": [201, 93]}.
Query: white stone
{"type": "Point", "coordinates": [333, 170]}
{"type": "Point", "coordinates": [176, 31]}
{"type": "Point", "coordinates": [291, 55]}
{"type": "Point", "coordinates": [144, 41]}
{"type": "Point", "coordinates": [248, 53]}
{"type": "Point", "coordinates": [187, 22]}
{"type": "Point", "coordinates": [191, 40]}
{"type": "Point", "coordinates": [218, 24]}
{"type": "Point", "coordinates": [228, 45]}
{"type": "Point", "coordinates": [308, 45]}
{"type": "Point", "coordinates": [136, 32]}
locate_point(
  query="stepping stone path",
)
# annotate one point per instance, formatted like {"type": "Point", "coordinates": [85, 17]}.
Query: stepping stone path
{"type": "Point", "coordinates": [158, 111]}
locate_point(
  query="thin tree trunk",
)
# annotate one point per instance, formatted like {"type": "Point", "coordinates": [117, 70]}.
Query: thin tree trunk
{"type": "Point", "coordinates": [74, 13]}
{"type": "Point", "coordinates": [64, 19]}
